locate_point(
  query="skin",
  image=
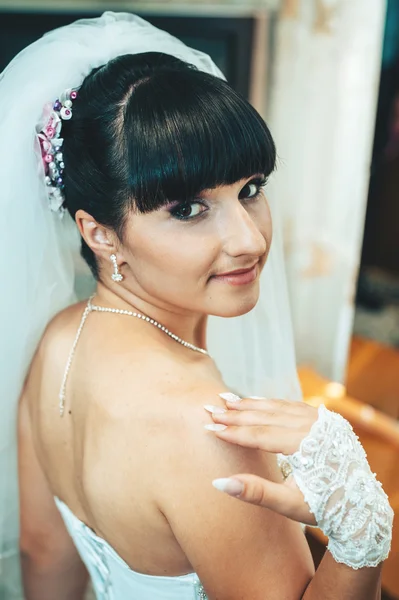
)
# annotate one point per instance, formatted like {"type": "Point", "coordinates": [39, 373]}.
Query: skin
{"type": "Point", "coordinates": [168, 264]}
{"type": "Point", "coordinates": [134, 412]}
{"type": "Point", "coordinates": [280, 426]}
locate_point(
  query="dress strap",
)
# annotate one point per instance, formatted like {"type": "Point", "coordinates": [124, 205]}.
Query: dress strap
{"type": "Point", "coordinates": [62, 394]}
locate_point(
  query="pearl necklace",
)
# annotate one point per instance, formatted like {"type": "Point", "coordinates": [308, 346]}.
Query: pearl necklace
{"type": "Point", "coordinates": [92, 307]}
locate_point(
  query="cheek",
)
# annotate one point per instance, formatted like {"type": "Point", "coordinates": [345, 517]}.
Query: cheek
{"type": "Point", "coordinates": [261, 216]}
{"type": "Point", "coordinates": [266, 224]}
{"type": "Point", "coordinates": [269, 231]}
{"type": "Point", "coordinates": [172, 255]}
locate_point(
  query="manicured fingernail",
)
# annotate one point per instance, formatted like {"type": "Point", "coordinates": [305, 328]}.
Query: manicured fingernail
{"type": "Point", "coordinates": [230, 397]}
{"type": "Point", "coordinates": [215, 427]}
{"type": "Point", "coordinates": [230, 486]}
{"type": "Point", "coordinates": [257, 397]}
{"type": "Point", "coordinates": [217, 410]}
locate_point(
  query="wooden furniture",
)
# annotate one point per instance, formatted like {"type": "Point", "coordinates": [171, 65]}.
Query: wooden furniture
{"type": "Point", "coordinates": [373, 375]}
{"type": "Point", "coordinates": [379, 434]}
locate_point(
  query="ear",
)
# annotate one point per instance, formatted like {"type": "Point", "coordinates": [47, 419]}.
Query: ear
{"type": "Point", "coordinates": [100, 239]}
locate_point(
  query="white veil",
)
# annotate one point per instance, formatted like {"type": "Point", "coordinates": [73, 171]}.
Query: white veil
{"type": "Point", "coordinates": [40, 268]}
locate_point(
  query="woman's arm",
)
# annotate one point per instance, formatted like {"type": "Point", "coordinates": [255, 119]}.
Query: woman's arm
{"type": "Point", "coordinates": [331, 471]}
{"type": "Point", "coordinates": [239, 551]}
{"type": "Point", "coordinates": [51, 566]}
{"type": "Point", "coordinates": [334, 581]}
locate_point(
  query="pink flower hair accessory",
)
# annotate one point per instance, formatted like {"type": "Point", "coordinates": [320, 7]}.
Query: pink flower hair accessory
{"type": "Point", "coordinates": [51, 142]}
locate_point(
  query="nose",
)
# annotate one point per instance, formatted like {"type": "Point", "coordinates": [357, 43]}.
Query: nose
{"type": "Point", "coordinates": [242, 234]}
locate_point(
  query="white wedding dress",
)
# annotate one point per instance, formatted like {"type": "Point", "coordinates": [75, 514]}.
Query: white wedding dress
{"type": "Point", "coordinates": [113, 579]}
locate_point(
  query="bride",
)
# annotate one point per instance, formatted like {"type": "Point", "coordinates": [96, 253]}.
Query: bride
{"type": "Point", "coordinates": [124, 419]}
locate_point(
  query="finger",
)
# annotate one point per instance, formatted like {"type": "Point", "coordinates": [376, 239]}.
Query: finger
{"type": "Point", "coordinates": [253, 417]}
{"type": "Point", "coordinates": [262, 437]}
{"type": "Point", "coordinates": [234, 402]}
{"type": "Point", "coordinates": [280, 498]}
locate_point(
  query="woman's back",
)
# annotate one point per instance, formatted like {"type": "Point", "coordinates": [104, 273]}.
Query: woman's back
{"type": "Point", "coordinates": [119, 428]}
{"type": "Point", "coordinates": [130, 464]}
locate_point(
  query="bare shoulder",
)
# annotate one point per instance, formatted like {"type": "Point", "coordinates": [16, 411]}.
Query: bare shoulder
{"type": "Point", "coordinates": [238, 550]}
{"type": "Point", "coordinates": [56, 337]}
{"type": "Point", "coordinates": [185, 395]}
{"type": "Point", "coordinates": [63, 324]}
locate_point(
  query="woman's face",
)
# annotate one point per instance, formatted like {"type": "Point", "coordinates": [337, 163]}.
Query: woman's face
{"type": "Point", "coordinates": [177, 255]}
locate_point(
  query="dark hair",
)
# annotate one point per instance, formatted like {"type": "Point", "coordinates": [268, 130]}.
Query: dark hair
{"type": "Point", "coordinates": [148, 129]}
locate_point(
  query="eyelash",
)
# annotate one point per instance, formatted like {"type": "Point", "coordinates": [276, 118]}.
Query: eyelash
{"type": "Point", "coordinates": [259, 183]}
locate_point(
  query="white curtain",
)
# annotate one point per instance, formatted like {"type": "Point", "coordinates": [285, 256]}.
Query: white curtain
{"type": "Point", "coordinates": [326, 64]}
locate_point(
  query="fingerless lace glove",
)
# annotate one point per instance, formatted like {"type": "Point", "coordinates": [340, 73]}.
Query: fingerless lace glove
{"type": "Point", "coordinates": [350, 506]}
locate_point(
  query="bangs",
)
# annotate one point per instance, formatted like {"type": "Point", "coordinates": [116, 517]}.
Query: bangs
{"type": "Point", "coordinates": [187, 132]}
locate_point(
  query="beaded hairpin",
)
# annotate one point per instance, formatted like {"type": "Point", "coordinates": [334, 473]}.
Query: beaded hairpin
{"type": "Point", "coordinates": [51, 148]}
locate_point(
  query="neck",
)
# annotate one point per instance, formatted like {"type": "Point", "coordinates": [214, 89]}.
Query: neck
{"type": "Point", "coordinates": [189, 326]}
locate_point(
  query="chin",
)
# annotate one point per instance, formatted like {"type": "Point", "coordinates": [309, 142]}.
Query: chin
{"type": "Point", "coordinates": [235, 307]}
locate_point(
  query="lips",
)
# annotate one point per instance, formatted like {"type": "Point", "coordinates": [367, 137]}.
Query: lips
{"type": "Point", "coordinates": [239, 277]}
{"type": "Point", "coordinates": [237, 272]}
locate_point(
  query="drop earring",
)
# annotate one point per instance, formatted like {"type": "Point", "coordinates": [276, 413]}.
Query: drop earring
{"type": "Point", "coordinates": [116, 276]}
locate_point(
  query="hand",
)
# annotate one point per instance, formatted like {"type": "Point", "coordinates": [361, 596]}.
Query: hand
{"type": "Point", "coordinates": [276, 426]}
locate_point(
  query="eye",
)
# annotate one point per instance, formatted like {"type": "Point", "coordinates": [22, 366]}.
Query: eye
{"type": "Point", "coordinates": [188, 210]}
{"type": "Point", "coordinates": [252, 189]}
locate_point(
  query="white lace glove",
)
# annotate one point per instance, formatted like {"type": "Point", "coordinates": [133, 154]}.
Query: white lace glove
{"type": "Point", "coordinates": [350, 506]}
